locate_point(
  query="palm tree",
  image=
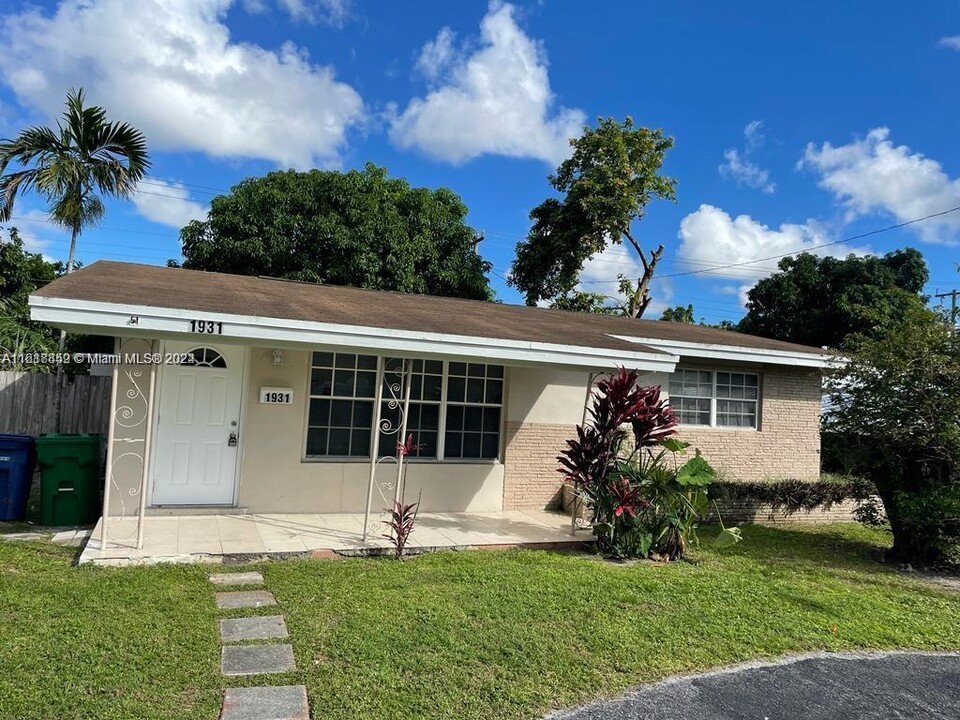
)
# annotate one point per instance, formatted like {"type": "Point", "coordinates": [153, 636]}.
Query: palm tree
{"type": "Point", "coordinates": [71, 167]}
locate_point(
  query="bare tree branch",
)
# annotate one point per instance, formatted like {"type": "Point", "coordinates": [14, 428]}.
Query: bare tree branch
{"type": "Point", "coordinates": [641, 296]}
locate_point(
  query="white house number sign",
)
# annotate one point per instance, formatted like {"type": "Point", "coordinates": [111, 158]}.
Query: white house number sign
{"type": "Point", "coordinates": [276, 396]}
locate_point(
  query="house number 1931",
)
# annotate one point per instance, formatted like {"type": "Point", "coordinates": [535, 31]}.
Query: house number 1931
{"type": "Point", "coordinates": [207, 327]}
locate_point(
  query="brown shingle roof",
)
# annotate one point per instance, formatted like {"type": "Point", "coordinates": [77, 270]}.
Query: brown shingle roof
{"type": "Point", "coordinates": [149, 285]}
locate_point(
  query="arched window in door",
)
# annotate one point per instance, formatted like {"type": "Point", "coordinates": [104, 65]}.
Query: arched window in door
{"type": "Point", "coordinates": [205, 357]}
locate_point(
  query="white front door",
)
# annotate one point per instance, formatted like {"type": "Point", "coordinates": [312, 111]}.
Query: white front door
{"type": "Point", "coordinates": [198, 426]}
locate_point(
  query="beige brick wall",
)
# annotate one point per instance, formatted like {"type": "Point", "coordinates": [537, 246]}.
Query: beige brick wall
{"type": "Point", "coordinates": [530, 478]}
{"type": "Point", "coordinates": [786, 445]}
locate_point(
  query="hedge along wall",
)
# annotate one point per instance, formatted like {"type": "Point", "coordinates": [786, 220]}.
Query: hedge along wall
{"type": "Point", "coordinates": [789, 501]}
{"type": "Point", "coordinates": [782, 502]}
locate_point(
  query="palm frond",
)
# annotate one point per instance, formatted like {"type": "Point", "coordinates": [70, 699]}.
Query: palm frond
{"type": "Point", "coordinates": [34, 143]}
{"type": "Point", "coordinates": [11, 186]}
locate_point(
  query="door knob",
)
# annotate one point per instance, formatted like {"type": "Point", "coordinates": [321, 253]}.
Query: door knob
{"type": "Point", "coordinates": [232, 440]}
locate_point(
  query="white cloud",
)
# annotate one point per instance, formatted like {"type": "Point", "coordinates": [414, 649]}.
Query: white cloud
{"type": "Point", "coordinates": [711, 238]}
{"type": "Point", "coordinates": [952, 42]}
{"type": "Point", "coordinates": [753, 135]}
{"type": "Point", "coordinates": [601, 275]}
{"type": "Point", "coordinates": [38, 232]}
{"type": "Point", "coordinates": [438, 55]}
{"type": "Point", "coordinates": [168, 204]}
{"type": "Point", "coordinates": [746, 172]}
{"type": "Point", "coordinates": [872, 175]}
{"type": "Point", "coordinates": [327, 12]}
{"type": "Point", "coordinates": [496, 100]}
{"type": "Point", "coordinates": [171, 68]}
{"type": "Point", "coordinates": [741, 168]}
{"type": "Point", "coordinates": [255, 7]}
{"type": "Point", "coordinates": [737, 291]}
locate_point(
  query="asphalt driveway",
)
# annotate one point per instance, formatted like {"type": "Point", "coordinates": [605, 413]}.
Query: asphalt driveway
{"type": "Point", "coordinates": [881, 686]}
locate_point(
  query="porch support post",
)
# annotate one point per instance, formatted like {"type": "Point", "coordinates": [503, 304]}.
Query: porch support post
{"type": "Point", "coordinates": [375, 451]}
{"type": "Point", "coordinates": [108, 474]}
{"type": "Point", "coordinates": [408, 379]}
{"type": "Point", "coordinates": [575, 510]}
{"type": "Point", "coordinates": [148, 435]}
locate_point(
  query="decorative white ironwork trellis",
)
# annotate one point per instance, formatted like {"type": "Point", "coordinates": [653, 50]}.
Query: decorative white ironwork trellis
{"type": "Point", "coordinates": [391, 429]}
{"type": "Point", "coordinates": [123, 445]}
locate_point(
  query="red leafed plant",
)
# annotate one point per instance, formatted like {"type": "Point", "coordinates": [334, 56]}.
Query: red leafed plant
{"type": "Point", "coordinates": [612, 476]}
{"type": "Point", "coordinates": [402, 519]}
{"type": "Point", "coordinates": [627, 500]}
{"type": "Point", "coordinates": [641, 504]}
{"type": "Point", "coordinates": [408, 447]}
{"type": "Point", "coordinates": [403, 516]}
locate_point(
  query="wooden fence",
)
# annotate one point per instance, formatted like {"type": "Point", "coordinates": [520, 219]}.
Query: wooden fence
{"type": "Point", "coordinates": [27, 403]}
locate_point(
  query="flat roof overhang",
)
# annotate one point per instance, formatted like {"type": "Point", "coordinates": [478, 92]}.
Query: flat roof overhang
{"type": "Point", "coordinates": [131, 320]}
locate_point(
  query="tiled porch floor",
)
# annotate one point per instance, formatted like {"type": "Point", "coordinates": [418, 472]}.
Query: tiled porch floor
{"type": "Point", "coordinates": [198, 538]}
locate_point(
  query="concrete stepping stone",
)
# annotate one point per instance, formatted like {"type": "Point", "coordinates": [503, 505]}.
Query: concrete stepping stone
{"type": "Point", "coordinates": [237, 578]}
{"type": "Point", "coordinates": [245, 599]}
{"type": "Point", "coordinates": [285, 702]}
{"type": "Point", "coordinates": [253, 628]}
{"type": "Point", "coordinates": [256, 659]}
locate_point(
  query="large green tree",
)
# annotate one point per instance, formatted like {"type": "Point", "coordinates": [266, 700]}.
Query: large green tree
{"type": "Point", "coordinates": [680, 314]}
{"type": "Point", "coordinates": [22, 272]}
{"type": "Point", "coordinates": [895, 403]}
{"type": "Point", "coordinates": [605, 187]}
{"type": "Point", "coordinates": [819, 301]}
{"type": "Point", "coordinates": [73, 166]}
{"type": "Point", "coordinates": [358, 228]}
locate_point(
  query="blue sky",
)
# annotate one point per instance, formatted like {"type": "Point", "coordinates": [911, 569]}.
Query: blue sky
{"type": "Point", "coordinates": [796, 124]}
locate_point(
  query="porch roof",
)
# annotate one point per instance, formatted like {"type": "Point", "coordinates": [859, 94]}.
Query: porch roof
{"type": "Point", "coordinates": [117, 298]}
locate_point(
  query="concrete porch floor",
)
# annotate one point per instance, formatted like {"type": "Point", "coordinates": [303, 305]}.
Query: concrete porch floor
{"type": "Point", "coordinates": [208, 538]}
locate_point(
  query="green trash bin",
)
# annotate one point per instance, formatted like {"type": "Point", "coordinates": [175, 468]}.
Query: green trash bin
{"type": "Point", "coordinates": [69, 478]}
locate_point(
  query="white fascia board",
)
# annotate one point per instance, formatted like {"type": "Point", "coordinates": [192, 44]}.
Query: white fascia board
{"type": "Point", "coordinates": [116, 319]}
{"type": "Point", "coordinates": [735, 353]}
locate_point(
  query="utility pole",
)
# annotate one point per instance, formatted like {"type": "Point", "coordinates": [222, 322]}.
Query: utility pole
{"type": "Point", "coordinates": [954, 310]}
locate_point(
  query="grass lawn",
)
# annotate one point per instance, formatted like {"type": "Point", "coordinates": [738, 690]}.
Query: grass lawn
{"type": "Point", "coordinates": [468, 635]}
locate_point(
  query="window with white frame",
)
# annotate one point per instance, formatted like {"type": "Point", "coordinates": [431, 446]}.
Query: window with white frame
{"type": "Point", "coordinates": [455, 408]}
{"type": "Point", "coordinates": [715, 398]}
{"type": "Point", "coordinates": [340, 417]}
{"type": "Point", "coordinates": [426, 395]}
{"type": "Point", "coordinates": [474, 401]}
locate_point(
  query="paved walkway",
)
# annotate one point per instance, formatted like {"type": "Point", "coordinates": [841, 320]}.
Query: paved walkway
{"type": "Point", "coordinates": [253, 646]}
{"type": "Point", "coordinates": [880, 686]}
{"type": "Point", "coordinates": [204, 538]}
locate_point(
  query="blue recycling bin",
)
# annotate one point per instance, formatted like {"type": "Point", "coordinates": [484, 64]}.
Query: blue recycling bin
{"type": "Point", "coordinates": [17, 459]}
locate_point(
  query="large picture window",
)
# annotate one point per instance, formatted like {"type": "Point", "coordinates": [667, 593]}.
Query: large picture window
{"type": "Point", "coordinates": [455, 408]}
{"type": "Point", "coordinates": [715, 398]}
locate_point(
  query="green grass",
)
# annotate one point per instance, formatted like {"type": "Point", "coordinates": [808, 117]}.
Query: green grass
{"type": "Point", "coordinates": [468, 635]}
{"type": "Point", "coordinates": [97, 643]}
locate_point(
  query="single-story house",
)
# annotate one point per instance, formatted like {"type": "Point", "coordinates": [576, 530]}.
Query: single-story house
{"type": "Point", "coordinates": [279, 397]}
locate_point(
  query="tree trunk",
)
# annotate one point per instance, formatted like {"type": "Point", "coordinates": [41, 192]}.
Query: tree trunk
{"type": "Point", "coordinates": [62, 344]}
{"type": "Point", "coordinates": [641, 297]}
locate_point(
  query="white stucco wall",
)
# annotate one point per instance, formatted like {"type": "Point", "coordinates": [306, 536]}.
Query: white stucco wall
{"type": "Point", "coordinates": [274, 476]}
{"type": "Point", "coordinates": [547, 396]}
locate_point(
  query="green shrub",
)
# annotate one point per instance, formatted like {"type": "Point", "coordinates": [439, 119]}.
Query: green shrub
{"type": "Point", "coordinates": [791, 496]}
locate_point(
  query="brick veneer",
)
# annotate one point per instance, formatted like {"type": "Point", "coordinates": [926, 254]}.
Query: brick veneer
{"type": "Point", "coordinates": [530, 477]}
{"type": "Point", "coordinates": [787, 444]}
